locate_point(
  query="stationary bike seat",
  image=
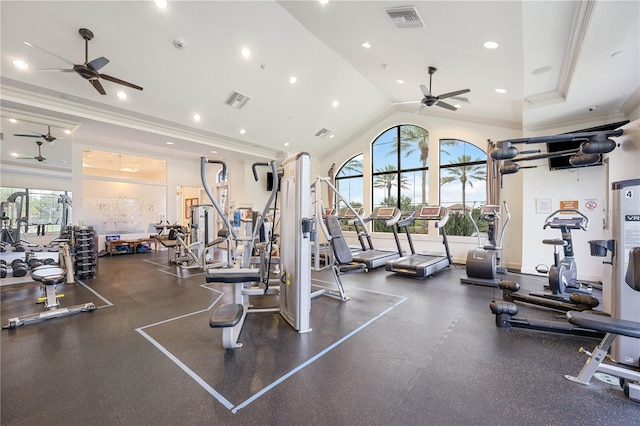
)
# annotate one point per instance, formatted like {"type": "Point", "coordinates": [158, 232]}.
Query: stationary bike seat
{"type": "Point", "coordinates": [554, 242]}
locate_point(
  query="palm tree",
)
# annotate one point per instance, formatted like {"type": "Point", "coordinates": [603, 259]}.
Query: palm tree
{"type": "Point", "coordinates": [414, 138]}
{"type": "Point", "coordinates": [466, 173]}
{"type": "Point", "coordinates": [387, 180]}
{"type": "Point", "coordinates": [352, 167]}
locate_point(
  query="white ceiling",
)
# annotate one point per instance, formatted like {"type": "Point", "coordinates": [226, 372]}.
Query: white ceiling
{"type": "Point", "coordinates": [556, 60]}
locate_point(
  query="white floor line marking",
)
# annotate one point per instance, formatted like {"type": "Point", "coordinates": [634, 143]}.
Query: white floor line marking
{"type": "Point", "coordinates": [312, 359]}
{"type": "Point", "coordinates": [162, 265]}
{"type": "Point", "coordinates": [219, 396]}
{"type": "Point", "coordinates": [224, 401]}
{"type": "Point", "coordinates": [187, 370]}
{"type": "Point", "coordinates": [95, 292]}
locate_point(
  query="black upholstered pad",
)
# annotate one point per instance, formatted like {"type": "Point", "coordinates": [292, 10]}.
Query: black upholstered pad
{"type": "Point", "coordinates": [340, 246]}
{"type": "Point", "coordinates": [606, 324]}
{"type": "Point", "coordinates": [233, 275]}
{"type": "Point", "coordinates": [226, 315]}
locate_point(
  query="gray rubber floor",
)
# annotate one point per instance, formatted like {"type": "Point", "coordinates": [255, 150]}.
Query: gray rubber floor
{"type": "Point", "coordinates": [401, 351]}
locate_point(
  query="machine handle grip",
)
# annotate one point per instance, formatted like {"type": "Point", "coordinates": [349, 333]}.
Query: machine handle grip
{"type": "Point", "coordinates": [584, 227]}
{"type": "Point", "coordinates": [253, 168]}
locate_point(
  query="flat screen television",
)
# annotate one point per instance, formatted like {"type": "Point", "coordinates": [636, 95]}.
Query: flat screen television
{"type": "Point", "coordinates": [270, 182]}
{"type": "Point", "coordinates": [559, 163]}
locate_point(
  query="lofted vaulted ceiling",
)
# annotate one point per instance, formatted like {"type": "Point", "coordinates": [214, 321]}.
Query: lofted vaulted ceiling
{"type": "Point", "coordinates": [560, 63]}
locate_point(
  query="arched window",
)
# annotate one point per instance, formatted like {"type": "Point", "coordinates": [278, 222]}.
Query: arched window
{"type": "Point", "coordinates": [400, 159]}
{"type": "Point", "coordinates": [349, 181]}
{"type": "Point", "coordinates": [463, 176]}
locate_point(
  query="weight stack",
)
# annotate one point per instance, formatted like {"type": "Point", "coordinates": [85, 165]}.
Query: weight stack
{"type": "Point", "coordinates": [85, 247]}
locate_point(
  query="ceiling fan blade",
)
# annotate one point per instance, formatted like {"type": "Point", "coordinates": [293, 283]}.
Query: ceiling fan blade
{"type": "Point", "coordinates": [419, 110]}
{"type": "Point", "coordinates": [25, 158]}
{"type": "Point", "coordinates": [34, 135]}
{"type": "Point", "coordinates": [447, 106]}
{"type": "Point", "coordinates": [451, 94]}
{"type": "Point", "coordinates": [50, 53]}
{"type": "Point", "coordinates": [118, 81]}
{"type": "Point", "coordinates": [407, 102]}
{"type": "Point", "coordinates": [54, 69]}
{"type": "Point", "coordinates": [461, 99]}
{"type": "Point", "coordinates": [98, 86]}
{"type": "Point", "coordinates": [98, 63]}
{"type": "Point", "coordinates": [425, 90]}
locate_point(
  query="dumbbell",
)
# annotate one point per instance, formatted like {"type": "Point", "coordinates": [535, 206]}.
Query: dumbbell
{"type": "Point", "coordinates": [18, 248]}
{"type": "Point", "coordinates": [19, 268]}
{"type": "Point", "coordinates": [3, 271]}
{"type": "Point", "coordinates": [49, 261]}
{"type": "Point", "coordinates": [34, 263]}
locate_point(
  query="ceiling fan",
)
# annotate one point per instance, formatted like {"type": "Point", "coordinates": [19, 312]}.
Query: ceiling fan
{"type": "Point", "coordinates": [39, 157]}
{"type": "Point", "coordinates": [430, 100]}
{"type": "Point", "coordinates": [48, 137]}
{"type": "Point", "coordinates": [88, 70]}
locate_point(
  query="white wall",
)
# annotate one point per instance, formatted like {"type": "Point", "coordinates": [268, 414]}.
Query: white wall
{"type": "Point", "coordinates": [439, 128]}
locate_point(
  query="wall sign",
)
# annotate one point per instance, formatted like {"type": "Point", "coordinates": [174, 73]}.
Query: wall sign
{"type": "Point", "coordinates": [569, 205]}
{"type": "Point", "coordinates": [591, 204]}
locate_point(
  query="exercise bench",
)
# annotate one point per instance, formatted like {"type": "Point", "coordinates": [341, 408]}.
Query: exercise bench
{"type": "Point", "coordinates": [630, 379]}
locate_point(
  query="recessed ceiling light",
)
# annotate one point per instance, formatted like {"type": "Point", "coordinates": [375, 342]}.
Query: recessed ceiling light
{"type": "Point", "coordinates": [366, 45]}
{"type": "Point", "coordinates": [286, 144]}
{"type": "Point", "coordinates": [67, 131]}
{"type": "Point", "coordinates": [323, 1]}
{"type": "Point", "coordinates": [293, 79]}
{"type": "Point", "coordinates": [14, 154]}
{"type": "Point", "coordinates": [501, 91]}
{"type": "Point", "coordinates": [169, 143]}
{"type": "Point", "coordinates": [13, 120]}
{"type": "Point", "coordinates": [335, 104]}
{"type": "Point", "coordinates": [458, 106]}
{"type": "Point", "coordinates": [196, 117]}
{"type": "Point", "coordinates": [214, 152]}
{"type": "Point", "coordinates": [331, 136]}
{"type": "Point", "coordinates": [162, 4]}
{"type": "Point", "coordinates": [243, 131]}
{"type": "Point", "coordinates": [491, 45]}
{"type": "Point", "coordinates": [122, 95]}
{"type": "Point", "coordinates": [400, 81]}
{"type": "Point", "coordinates": [245, 52]}
{"type": "Point", "coordinates": [20, 64]}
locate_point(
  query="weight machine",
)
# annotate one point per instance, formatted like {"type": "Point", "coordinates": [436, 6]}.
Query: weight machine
{"type": "Point", "coordinates": [623, 328]}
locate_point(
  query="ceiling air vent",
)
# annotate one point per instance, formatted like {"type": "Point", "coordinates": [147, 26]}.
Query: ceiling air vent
{"type": "Point", "coordinates": [405, 17]}
{"type": "Point", "coordinates": [322, 132]}
{"type": "Point", "coordinates": [236, 100]}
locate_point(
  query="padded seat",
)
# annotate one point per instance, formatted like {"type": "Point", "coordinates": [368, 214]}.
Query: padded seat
{"type": "Point", "coordinates": [227, 315]}
{"type": "Point", "coordinates": [233, 275]}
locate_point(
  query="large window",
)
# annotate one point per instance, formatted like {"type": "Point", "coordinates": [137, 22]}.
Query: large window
{"type": "Point", "coordinates": [36, 211]}
{"type": "Point", "coordinates": [400, 168]}
{"type": "Point", "coordinates": [463, 175]}
{"type": "Point", "coordinates": [349, 182]}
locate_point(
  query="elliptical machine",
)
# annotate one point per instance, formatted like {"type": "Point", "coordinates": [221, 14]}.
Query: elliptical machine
{"type": "Point", "coordinates": [563, 274]}
{"type": "Point", "coordinates": [482, 263]}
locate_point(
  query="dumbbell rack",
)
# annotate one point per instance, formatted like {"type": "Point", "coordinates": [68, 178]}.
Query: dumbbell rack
{"type": "Point", "coordinates": [86, 252]}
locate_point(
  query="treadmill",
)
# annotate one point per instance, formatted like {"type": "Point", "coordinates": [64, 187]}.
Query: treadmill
{"type": "Point", "coordinates": [421, 265]}
{"type": "Point", "coordinates": [371, 257]}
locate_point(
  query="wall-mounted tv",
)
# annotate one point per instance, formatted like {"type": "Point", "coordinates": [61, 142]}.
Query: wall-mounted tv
{"type": "Point", "coordinates": [270, 182]}
{"type": "Point", "coordinates": [559, 163]}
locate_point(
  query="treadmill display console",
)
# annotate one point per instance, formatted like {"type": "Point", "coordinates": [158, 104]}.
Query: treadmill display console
{"type": "Point", "coordinates": [430, 212]}
{"type": "Point", "coordinates": [385, 212]}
